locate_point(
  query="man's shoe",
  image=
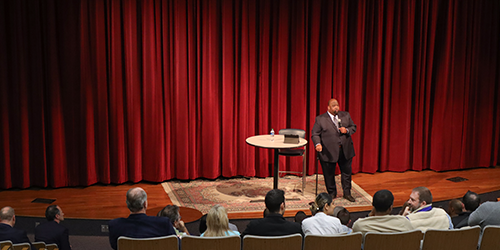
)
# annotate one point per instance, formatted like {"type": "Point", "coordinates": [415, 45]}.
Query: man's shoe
{"type": "Point", "coordinates": [349, 198]}
{"type": "Point", "coordinates": [333, 196]}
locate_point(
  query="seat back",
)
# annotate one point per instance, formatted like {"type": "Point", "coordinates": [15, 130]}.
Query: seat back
{"type": "Point", "coordinates": [39, 245]}
{"type": "Point", "coordinates": [211, 243]}
{"type": "Point", "coordinates": [157, 243]}
{"type": "Point", "coordinates": [52, 246]}
{"type": "Point", "coordinates": [457, 239]}
{"type": "Point", "coordinates": [5, 245]}
{"type": "Point", "coordinates": [21, 246]}
{"type": "Point", "coordinates": [292, 131]}
{"type": "Point", "coordinates": [393, 241]}
{"type": "Point", "coordinates": [287, 242]}
{"type": "Point", "coordinates": [341, 241]}
{"type": "Point", "coordinates": [491, 238]}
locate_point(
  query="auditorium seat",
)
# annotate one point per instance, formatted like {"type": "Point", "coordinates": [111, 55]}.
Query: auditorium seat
{"type": "Point", "coordinates": [170, 242]}
{"type": "Point", "coordinates": [288, 242]}
{"type": "Point", "coordinates": [410, 240]}
{"type": "Point", "coordinates": [211, 243]}
{"type": "Point", "coordinates": [455, 239]}
{"type": "Point", "coordinates": [491, 238]}
{"type": "Point", "coordinates": [340, 241]}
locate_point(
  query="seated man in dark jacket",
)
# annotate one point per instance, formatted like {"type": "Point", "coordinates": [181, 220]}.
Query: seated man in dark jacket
{"type": "Point", "coordinates": [471, 202]}
{"type": "Point", "coordinates": [7, 230]}
{"type": "Point", "coordinates": [138, 224]}
{"type": "Point", "coordinates": [51, 231]}
{"type": "Point", "coordinates": [274, 224]}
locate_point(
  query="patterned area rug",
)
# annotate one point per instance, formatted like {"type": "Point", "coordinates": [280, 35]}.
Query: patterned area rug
{"type": "Point", "coordinates": [247, 195]}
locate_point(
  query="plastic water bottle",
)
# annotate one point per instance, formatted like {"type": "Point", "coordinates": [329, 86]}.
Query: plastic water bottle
{"type": "Point", "coordinates": [272, 134]}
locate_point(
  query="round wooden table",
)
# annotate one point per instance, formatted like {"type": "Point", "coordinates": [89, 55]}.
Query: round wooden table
{"type": "Point", "coordinates": [264, 141]}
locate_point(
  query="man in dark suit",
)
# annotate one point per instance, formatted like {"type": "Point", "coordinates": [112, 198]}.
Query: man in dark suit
{"type": "Point", "coordinates": [274, 224]}
{"type": "Point", "coordinates": [51, 231]}
{"type": "Point", "coordinates": [138, 224]}
{"type": "Point", "coordinates": [7, 230]}
{"type": "Point", "coordinates": [331, 135]}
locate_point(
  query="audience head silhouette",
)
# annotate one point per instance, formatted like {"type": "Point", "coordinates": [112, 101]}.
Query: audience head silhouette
{"type": "Point", "coordinates": [275, 201]}
{"type": "Point", "coordinates": [54, 213]}
{"type": "Point", "coordinates": [343, 214]}
{"type": "Point", "coordinates": [322, 203]}
{"type": "Point", "coordinates": [382, 201]}
{"type": "Point", "coordinates": [471, 201]}
{"type": "Point", "coordinates": [137, 200]}
{"type": "Point", "coordinates": [171, 212]}
{"type": "Point", "coordinates": [299, 217]}
{"type": "Point", "coordinates": [8, 216]}
{"type": "Point", "coordinates": [455, 207]}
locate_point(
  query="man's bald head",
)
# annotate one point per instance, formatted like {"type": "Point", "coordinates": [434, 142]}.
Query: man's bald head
{"type": "Point", "coordinates": [8, 216]}
{"type": "Point", "coordinates": [333, 100]}
{"type": "Point", "coordinates": [136, 199]}
{"type": "Point", "coordinates": [333, 106]}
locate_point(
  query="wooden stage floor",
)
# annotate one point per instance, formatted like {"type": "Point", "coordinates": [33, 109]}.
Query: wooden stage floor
{"type": "Point", "coordinates": [108, 201]}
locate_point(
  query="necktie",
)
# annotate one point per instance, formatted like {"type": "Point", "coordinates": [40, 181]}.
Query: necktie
{"type": "Point", "coordinates": [336, 121]}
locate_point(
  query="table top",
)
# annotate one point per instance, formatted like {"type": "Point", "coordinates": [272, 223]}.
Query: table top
{"type": "Point", "coordinates": [264, 141]}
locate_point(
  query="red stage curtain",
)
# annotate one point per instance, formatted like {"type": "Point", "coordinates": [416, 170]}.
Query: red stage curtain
{"type": "Point", "coordinates": [115, 91]}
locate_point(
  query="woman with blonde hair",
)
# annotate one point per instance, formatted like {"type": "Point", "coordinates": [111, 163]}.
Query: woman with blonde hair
{"type": "Point", "coordinates": [322, 222]}
{"type": "Point", "coordinates": [218, 223]}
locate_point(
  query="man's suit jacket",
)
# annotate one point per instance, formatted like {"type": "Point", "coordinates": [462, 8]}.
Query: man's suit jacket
{"type": "Point", "coordinates": [51, 232]}
{"type": "Point", "coordinates": [325, 132]}
{"type": "Point", "coordinates": [272, 225]}
{"type": "Point", "coordinates": [139, 226]}
{"type": "Point", "coordinates": [13, 234]}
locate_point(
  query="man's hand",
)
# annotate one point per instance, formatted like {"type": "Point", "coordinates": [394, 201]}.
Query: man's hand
{"type": "Point", "coordinates": [372, 213]}
{"type": "Point", "coordinates": [319, 148]}
{"type": "Point", "coordinates": [181, 227]}
{"type": "Point", "coordinates": [407, 211]}
{"type": "Point", "coordinates": [343, 130]}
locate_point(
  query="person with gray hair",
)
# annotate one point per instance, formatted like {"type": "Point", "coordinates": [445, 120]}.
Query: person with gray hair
{"type": "Point", "coordinates": [138, 224]}
{"type": "Point", "coordinates": [7, 230]}
{"type": "Point", "coordinates": [421, 213]}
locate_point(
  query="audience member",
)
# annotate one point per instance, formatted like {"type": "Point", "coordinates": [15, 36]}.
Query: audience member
{"type": "Point", "coordinates": [380, 218]}
{"type": "Point", "coordinates": [421, 213]}
{"type": "Point", "coordinates": [345, 218]}
{"type": "Point", "coordinates": [486, 214]}
{"type": "Point", "coordinates": [51, 231]}
{"type": "Point", "coordinates": [299, 217]}
{"type": "Point", "coordinates": [455, 207]}
{"type": "Point", "coordinates": [138, 224]}
{"type": "Point", "coordinates": [218, 223]}
{"type": "Point", "coordinates": [172, 212]}
{"type": "Point", "coordinates": [7, 230]}
{"type": "Point", "coordinates": [203, 225]}
{"type": "Point", "coordinates": [322, 222]}
{"type": "Point", "coordinates": [274, 224]}
{"type": "Point", "coordinates": [471, 201]}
